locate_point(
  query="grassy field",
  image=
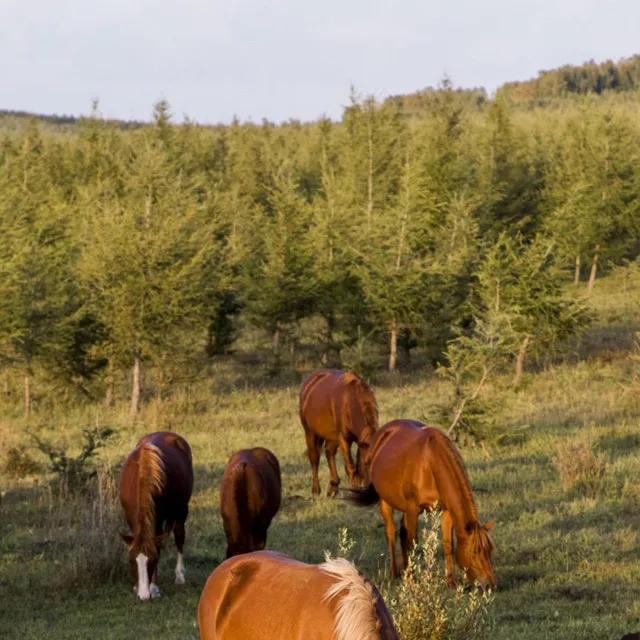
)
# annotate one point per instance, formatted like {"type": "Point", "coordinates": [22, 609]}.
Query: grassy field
{"type": "Point", "coordinates": [568, 556]}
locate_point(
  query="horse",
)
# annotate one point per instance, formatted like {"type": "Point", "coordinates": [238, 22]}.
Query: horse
{"type": "Point", "coordinates": [415, 468]}
{"type": "Point", "coordinates": [250, 495]}
{"type": "Point", "coordinates": [156, 482]}
{"type": "Point", "coordinates": [338, 408]}
{"type": "Point", "coordinates": [268, 596]}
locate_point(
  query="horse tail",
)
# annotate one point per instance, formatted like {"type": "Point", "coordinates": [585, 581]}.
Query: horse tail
{"type": "Point", "coordinates": [236, 514]}
{"type": "Point", "coordinates": [361, 497]}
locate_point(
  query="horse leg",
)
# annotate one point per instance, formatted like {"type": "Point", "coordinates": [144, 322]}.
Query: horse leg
{"type": "Point", "coordinates": [313, 451]}
{"type": "Point", "coordinates": [179, 535]}
{"type": "Point", "coordinates": [390, 532]}
{"type": "Point", "coordinates": [345, 447]}
{"type": "Point", "coordinates": [447, 547]}
{"type": "Point", "coordinates": [359, 476]}
{"type": "Point", "coordinates": [330, 449]}
{"type": "Point", "coordinates": [408, 535]}
{"type": "Point", "coordinates": [154, 590]}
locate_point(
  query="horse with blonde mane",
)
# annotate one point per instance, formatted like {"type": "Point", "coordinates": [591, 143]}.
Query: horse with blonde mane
{"type": "Point", "coordinates": [250, 495]}
{"type": "Point", "coordinates": [415, 468]}
{"type": "Point", "coordinates": [156, 482]}
{"type": "Point", "coordinates": [338, 408]}
{"type": "Point", "coordinates": [267, 596]}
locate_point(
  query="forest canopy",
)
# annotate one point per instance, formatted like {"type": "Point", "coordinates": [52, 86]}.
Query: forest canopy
{"type": "Point", "coordinates": [473, 223]}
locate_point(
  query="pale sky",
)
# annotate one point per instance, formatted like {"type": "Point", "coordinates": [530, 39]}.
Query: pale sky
{"type": "Point", "coordinates": [284, 59]}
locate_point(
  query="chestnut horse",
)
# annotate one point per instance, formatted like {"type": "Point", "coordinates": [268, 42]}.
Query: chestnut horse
{"type": "Point", "coordinates": [250, 495]}
{"type": "Point", "coordinates": [267, 596]}
{"type": "Point", "coordinates": [155, 487]}
{"type": "Point", "coordinates": [416, 468]}
{"type": "Point", "coordinates": [337, 409]}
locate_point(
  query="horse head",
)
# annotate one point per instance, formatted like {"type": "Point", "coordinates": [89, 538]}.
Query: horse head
{"type": "Point", "coordinates": [365, 453]}
{"type": "Point", "coordinates": [473, 554]}
{"type": "Point", "coordinates": [144, 553]}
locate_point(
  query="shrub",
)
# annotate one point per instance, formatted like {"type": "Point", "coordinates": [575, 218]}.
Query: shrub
{"type": "Point", "coordinates": [580, 469]}
{"type": "Point", "coordinates": [422, 605]}
{"type": "Point", "coordinates": [19, 464]}
{"type": "Point", "coordinates": [75, 473]}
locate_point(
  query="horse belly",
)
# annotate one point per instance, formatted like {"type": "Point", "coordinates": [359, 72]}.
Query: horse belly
{"type": "Point", "coordinates": [390, 481]}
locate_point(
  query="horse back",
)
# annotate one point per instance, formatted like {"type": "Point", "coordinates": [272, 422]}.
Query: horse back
{"type": "Point", "coordinates": [334, 402]}
{"type": "Point", "coordinates": [250, 496]}
{"type": "Point", "coordinates": [177, 482]}
{"type": "Point", "coordinates": [266, 595]}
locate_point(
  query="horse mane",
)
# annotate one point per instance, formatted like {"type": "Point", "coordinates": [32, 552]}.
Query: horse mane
{"type": "Point", "coordinates": [481, 540]}
{"type": "Point", "coordinates": [366, 398]}
{"type": "Point", "coordinates": [450, 455]}
{"type": "Point", "coordinates": [151, 482]}
{"type": "Point", "coordinates": [356, 612]}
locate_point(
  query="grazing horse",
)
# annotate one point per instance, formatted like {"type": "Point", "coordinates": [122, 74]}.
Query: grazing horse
{"type": "Point", "coordinates": [337, 409]}
{"type": "Point", "coordinates": [267, 596]}
{"type": "Point", "coordinates": [155, 487]}
{"type": "Point", "coordinates": [250, 495]}
{"type": "Point", "coordinates": [416, 468]}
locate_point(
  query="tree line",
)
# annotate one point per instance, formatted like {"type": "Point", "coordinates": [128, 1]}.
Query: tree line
{"type": "Point", "coordinates": [458, 232]}
{"type": "Point", "coordinates": [590, 77]}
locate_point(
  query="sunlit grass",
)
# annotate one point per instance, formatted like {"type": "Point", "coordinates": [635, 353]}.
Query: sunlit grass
{"type": "Point", "coordinates": [567, 562]}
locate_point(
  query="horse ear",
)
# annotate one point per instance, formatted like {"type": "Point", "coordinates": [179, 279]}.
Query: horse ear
{"type": "Point", "coordinates": [489, 524]}
{"type": "Point", "coordinates": [127, 537]}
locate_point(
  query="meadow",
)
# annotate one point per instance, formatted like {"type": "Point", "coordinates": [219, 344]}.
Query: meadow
{"type": "Point", "coordinates": [561, 480]}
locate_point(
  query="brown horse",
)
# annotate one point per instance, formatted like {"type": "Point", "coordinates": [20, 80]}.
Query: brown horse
{"type": "Point", "coordinates": [415, 468]}
{"type": "Point", "coordinates": [155, 487]}
{"type": "Point", "coordinates": [267, 596]}
{"type": "Point", "coordinates": [337, 409]}
{"type": "Point", "coordinates": [250, 495]}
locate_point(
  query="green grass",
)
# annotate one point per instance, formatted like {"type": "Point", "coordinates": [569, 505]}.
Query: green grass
{"type": "Point", "coordinates": [567, 565]}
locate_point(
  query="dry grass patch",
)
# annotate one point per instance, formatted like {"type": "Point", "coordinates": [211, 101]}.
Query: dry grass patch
{"type": "Point", "coordinates": [581, 469]}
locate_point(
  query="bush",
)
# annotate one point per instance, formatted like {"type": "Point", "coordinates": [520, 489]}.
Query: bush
{"type": "Point", "coordinates": [19, 464]}
{"type": "Point", "coordinates": [580, 469]}
{"type": "Point", "coordinates": [75, 473]}
{"type": "Point", "coordinates": [422, 605]}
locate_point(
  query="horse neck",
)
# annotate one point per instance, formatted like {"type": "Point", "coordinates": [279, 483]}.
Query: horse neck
{"type": "Point", "coordinates": [453, 484]}
{"type": "Point", "coordinates": [151, 480]}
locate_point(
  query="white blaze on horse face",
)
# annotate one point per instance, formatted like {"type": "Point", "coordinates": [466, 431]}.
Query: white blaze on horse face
{"type": "Point", "coordinates": [143, 577]}
{"type": "Point", "coordinates": [180, 570]}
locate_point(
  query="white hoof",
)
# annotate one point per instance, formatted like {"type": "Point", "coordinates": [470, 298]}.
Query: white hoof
{"type": "Point", "coordinates": [154, 591]}
{"type": "Point", "coordinates": [180, 570]}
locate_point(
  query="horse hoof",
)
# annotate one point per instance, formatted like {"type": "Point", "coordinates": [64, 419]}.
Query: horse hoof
{"type": "Point", "coordinates": [180, 578]}
{"type": "Point", "coordinates": [154, 591]}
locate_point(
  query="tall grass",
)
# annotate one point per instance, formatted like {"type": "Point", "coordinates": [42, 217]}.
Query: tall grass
{"type": "Point", "coordinates": [82, 530]}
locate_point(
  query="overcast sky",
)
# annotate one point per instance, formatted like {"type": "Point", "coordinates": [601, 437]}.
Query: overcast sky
{"type": "Point", "coordinates": [284, 59]}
